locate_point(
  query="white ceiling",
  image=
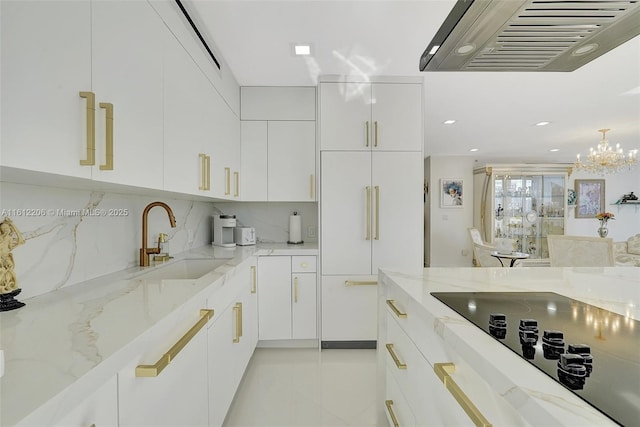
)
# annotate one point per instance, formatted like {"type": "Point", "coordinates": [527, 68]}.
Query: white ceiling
{"type": "Point", "coordinates": [496, 112]}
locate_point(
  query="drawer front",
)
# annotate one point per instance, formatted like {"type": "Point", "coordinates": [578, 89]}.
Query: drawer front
{"type": "Point", "coordinates": [303, 264]}
{"type": "Point", "coordinates": [349, 312]}
{"type": "Point", "coordinates": [416, 323]}
{"type": "Point", "coordinates": [396, 407]}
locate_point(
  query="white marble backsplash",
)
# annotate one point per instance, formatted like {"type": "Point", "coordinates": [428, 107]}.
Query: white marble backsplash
{"type": "Point", "coordinates": [65, 247]}
{"type": "Point", "coordinates": [271, 219]}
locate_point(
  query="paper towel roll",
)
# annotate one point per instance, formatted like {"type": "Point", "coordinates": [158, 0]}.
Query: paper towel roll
{"type": "Point", "coordinates": [295, 228]}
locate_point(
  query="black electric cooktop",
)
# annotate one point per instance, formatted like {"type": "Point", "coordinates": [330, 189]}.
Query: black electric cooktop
{"type": "Point", "coordinates": [591, 351]}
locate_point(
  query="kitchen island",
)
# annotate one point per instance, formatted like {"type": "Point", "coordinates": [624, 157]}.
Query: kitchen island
{"type": "Point", "coordinates": [64, 345]}
{"type": "Point", "coordinates": [423, 343]}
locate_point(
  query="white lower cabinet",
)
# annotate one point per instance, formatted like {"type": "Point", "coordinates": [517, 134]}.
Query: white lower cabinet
{"type": "Point", "coordinates": [99, 409]}
{"type": "Point", "coordinates": [178, 394]}
{"type": "Point", "coordinates": [287, 297]}
{"type": "Point", "coordinates": [232, 338]}
{"type": "Point", "coordinates": [349, 304]}
{"type": "Point", "coordinates": [428, 379]}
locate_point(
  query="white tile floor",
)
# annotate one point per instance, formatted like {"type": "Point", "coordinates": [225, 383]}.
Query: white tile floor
{"type": "Point", "coordinates": [306, 387]}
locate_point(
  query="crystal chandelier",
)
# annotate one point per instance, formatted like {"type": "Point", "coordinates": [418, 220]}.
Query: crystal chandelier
{"type": "Point", "coordinates": [604, 159]}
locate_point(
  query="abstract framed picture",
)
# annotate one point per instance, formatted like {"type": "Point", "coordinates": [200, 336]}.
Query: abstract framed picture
{"type": "Point", "coordinates": [452, 193]}
{"type": "Point", "coordinates": [589, 197]}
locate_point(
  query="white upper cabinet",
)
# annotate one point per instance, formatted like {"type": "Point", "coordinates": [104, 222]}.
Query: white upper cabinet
{"type": "Point", "coordinates": [254, 166]}
{"type": "Point", "coordinates": [186, 168]}
{"type": "Point", "coordinates": [371, 116]}
{"type": "Point", "coordinates": [279, 144]}
{"type": "Point", "coordinates": [292, 161]}
{"type": "Point", "coordinates": [127, 71]}
{"type": "Point", "coordinates": [278, 103]}
{"type": "Point", "coordinates": [46, 62]}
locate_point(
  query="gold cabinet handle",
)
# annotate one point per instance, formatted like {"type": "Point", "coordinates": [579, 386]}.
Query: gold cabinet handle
{"type": "Point", "coordinates": [368, 213]}
{"type": "Point", "coordinates": [295, 289]}
{"type": "Point", "coordinates": [203, 171]}
{"type": "Point", "coordinates": [395, 358]}
{"type": "Point", "coordinates": [91, 128]}
{"type": "Point", "coordinates": [238, 311]}
{"type": "Point", "coordinates": [254, 280]}
{"type": "Point", "coordinates": [155, 369]}
{"type": "Point", "coordinates": [377, 191]}
{"type": "Point", "coordinates": [366, 126]}
{"type": "Point", "coordinates": [391, 303]}
{"type": "Point", "coordinates": [311, 187]}
{"type": "Point", "coordinates": [375, 131]}
{"type": "Point", "coordinates": [444, 371]}
{"type": "Point", "coordinates": [227, 181]}
{"type": "Point", "coordinates": [389, 405]}
{"type": "Point", "coordinates": [108, 107]}
{"type": "Point", "coordinates": [236, 175]}
{"type": "Point", "coordinates": [208, 180]}
{"type": "Point", "coordinates": [360, 282]}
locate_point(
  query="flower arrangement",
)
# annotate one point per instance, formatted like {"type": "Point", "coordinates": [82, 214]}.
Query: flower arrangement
{"type": "Point", "coordinates": [603, 217]}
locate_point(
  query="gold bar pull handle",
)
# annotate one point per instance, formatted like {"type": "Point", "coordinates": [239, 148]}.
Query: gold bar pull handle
{"type": "Point", "coordinates": [311, 187]}
{"type": "Point", "coordinates": [392, 304]}
{"type": "Point", "coordinates": [155, 369]}
{"type": "Point", "coordinates": [389, 405]}
{"type": "Point", "coordinates": [254, 280]}
{"type": "Point", "coordinates": [360, 282]}
{"type": "Point", "coordinates": [108, 166]}
{"type": "Point", "coordinates": [91, 128]}
{"type": "Point", "coordinates": [366, 130]}
{"type": "Point", "coordinates": [395, 358]}
{"type": "Point", "coordinates": [236, 176]}
{"type": "Point", "coordinates": [377, 191]}
{"type": "Point", "coordinates": [238, 311]}
{"type": "Point", "coordinates": [227, 181]}
{"type": "Point", "coordinates": [203, 171]}
{"type": "Point", "coordinates": [295, 289]}
{"type": "Point", "coordinates": [375, 131]}
{"type": "Point", "coordinates": [368, 213]}
{"type": "Point", "coordinates": [207, 160]}
{"type": "Point", "coordinates": [444, 371]}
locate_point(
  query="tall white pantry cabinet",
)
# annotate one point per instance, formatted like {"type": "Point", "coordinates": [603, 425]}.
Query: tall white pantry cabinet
{"type": "Point", "coordinates": [371, 198]}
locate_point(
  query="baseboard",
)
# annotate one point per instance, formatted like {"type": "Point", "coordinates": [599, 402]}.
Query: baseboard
{"type": "Point", "coordinates": [312, 343]}
{"type": "Point", "coordinates": [349, 344]}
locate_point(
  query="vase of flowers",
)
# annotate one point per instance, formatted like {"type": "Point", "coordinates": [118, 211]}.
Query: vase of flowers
{"type": "Point", "coordinates": [604, 217]}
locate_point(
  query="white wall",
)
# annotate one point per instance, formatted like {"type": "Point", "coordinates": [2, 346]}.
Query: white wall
{"type": "Point", "coordinates": [627, 218]}
{"type": "Point", "coordinates": [448, 238]}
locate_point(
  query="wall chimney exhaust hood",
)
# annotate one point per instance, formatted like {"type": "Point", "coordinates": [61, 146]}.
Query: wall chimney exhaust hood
{"type": "Point", "coordinates": [529, 35]}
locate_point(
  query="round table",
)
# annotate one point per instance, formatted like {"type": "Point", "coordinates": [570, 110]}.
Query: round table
{"type": "Point", "coordinates": [513, 256]}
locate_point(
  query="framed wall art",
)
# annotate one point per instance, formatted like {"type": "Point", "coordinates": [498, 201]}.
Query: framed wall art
{"type": "Point", "coordinates": [589, 197]}
{"type": "Point", "coordinates": [452, 193]}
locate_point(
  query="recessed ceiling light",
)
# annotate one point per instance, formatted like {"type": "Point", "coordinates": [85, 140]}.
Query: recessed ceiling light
{"type": "Point", "coordinates": [449, 122]}
{"type": "Point", "coordinates": [553, 150]}
{"type": "Point", "coordinates": [434, 49]}
{"type": "Point", "coordinates": [474, 150]}
{"type": "Point", "coordinates": [302, 49]}
{"type": "Point", "coordinates": [542, 123]}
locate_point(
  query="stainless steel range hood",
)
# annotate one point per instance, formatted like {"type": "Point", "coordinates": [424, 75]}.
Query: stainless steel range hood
{"type": "Point", "coordinates": [529, 35]}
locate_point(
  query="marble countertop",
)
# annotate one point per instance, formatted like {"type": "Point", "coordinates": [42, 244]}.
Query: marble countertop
{"type": "Point", "coordinates": [79, 336]}
{"type": "Point", "coordinates": [537, 398]}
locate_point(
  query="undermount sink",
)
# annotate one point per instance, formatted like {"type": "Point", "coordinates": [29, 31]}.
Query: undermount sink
{"type": "Point", "coordinates": [186, 269]}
